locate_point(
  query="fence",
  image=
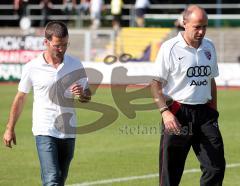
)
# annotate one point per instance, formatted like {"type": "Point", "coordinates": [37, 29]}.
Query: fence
{"type": "Point", "coordinates": [217, 12]}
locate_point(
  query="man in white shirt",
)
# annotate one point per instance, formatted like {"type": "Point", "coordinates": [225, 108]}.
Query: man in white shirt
{"type": "Point", "coordinates": [185, 70]}
{"type": "Point", "coordinates": [54, 80]}
{"type": "Point", "coordinates": [95, 13]}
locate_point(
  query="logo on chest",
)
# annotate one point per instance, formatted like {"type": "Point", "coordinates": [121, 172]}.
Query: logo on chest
{"type": "Point", "coordinates": [199, 71]}
{"type": "Point", "coordinates": [180, 58]}
{"type": "Point", "coordinates": [208, 54]}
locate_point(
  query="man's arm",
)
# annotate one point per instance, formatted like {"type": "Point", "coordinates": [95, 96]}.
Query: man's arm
{"type": "Point", "coordinates": [213, 102]}
{"type": "Point", "coordinates": [156, 89]}
{"type": "Point", "coordinates": [169, 120]}
{"type": "Point", "coordinates": [16, 109]}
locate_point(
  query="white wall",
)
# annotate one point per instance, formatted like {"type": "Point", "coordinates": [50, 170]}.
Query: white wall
{"type": "Point", "coordinates": [229, 72]}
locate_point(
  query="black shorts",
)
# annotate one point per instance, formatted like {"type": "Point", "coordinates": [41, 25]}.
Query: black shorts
{"type": "Point", "coordinates": [117, 18]}
{"type": "Point", "coordinates": [140, 12]}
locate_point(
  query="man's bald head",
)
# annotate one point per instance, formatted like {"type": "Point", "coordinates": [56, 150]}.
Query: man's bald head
{"type": "Point", "coordinates": [194, 10]}
{"type": "Point", "coordinates": [195, 22]}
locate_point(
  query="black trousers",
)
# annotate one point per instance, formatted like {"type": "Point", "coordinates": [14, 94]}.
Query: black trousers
{"type": "Point", "coordinates": [201, 132]}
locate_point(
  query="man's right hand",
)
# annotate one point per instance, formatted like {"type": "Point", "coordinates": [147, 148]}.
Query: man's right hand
{"type": "Point", "coordinates": [171, 123]}
{"type": "Point", "coordinates": [86, 96]}
{"type": "Point", "coordinates": [9, 137]}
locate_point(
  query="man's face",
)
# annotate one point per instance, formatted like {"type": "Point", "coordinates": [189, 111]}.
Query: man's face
{"type": "Point", "coordinates": [195, 27]}
{"type": "Point", "coordinates": [57, 47]}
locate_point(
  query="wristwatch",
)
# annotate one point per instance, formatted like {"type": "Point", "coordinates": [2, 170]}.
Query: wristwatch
{"type": "Point", "coordinates": [163, 109]}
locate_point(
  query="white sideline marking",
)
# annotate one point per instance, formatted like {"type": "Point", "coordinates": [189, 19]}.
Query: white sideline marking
{"type": "Point", "coordinates": [125, 179]}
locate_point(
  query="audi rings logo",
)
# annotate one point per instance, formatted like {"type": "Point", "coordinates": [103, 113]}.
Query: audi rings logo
{"type": "Point", "coordinates": [199, 71]}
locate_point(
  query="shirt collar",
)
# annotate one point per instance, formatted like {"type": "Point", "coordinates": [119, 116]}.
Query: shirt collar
{"type": "Point", "coordinates": [181, 40]}
{"type": "Point", "coordinates": [183, 43]}
{"type": "Point", "coordinates": [44, 61]}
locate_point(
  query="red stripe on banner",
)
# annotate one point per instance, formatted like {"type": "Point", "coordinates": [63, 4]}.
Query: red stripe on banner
{"type": "Point", "coordinates": [18, 56]}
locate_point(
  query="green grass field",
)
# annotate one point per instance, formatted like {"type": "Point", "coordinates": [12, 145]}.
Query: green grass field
{"type": "Point", "coordinates": [126, 148]}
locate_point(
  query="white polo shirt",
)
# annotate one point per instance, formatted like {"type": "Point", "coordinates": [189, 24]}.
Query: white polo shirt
{"type": "Point", "coordinates": [186, 72]}
{"type": "Point", "coordinates": [42, 76]}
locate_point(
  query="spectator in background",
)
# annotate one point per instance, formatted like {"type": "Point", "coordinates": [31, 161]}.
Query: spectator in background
{"type": "Point", "coordinates": [69, 6]}
{"type": "Point", "coordinates": [141, 7]}
{"type": "Point", "coordinates": [84, 6]}
{"type": "Point", "coordinates": [82, 9]}
{"type": "Point", "coordinates": [20, 8]}
{"type": "Point", "coordinates": [46, 6]}
{"type": "Point", "coordinates": [116, 11]}
{"type": "Point", "coordinates": [95, 12]}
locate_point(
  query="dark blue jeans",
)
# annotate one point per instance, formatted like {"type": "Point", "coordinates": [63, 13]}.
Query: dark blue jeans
{"type": "Point", "coordinates": [55, 156]}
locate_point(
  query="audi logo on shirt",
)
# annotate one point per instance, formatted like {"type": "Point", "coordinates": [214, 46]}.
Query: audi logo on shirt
{"type": "Point", "coordinates": [199, 71]}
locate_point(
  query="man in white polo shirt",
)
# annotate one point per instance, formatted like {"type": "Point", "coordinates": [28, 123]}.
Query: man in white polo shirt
{"type": "Point", "coordinates": [185, 92]}
{"type": "Point", "coordinates": [55, 78]}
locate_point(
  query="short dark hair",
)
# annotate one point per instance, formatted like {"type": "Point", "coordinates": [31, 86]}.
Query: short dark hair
{"type": "Point", "coordinates": [57, 29]}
